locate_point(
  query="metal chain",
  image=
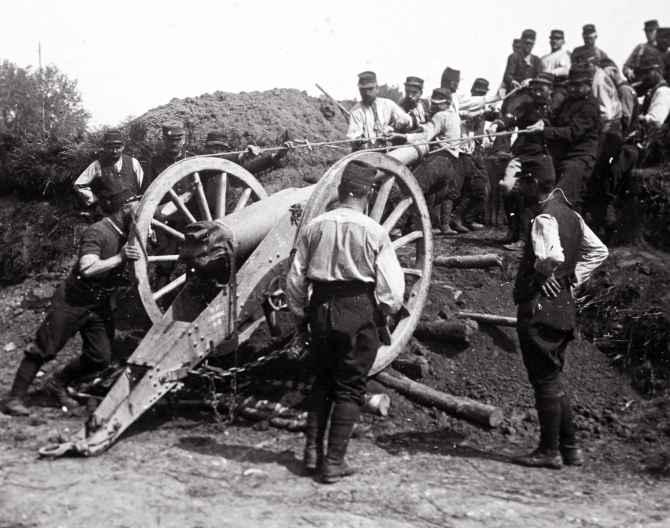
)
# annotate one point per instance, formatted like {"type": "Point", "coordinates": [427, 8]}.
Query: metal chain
{"type": "Point", "coordinates": [219, 374]}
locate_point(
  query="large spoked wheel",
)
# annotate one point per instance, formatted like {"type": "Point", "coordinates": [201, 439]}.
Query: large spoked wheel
{"type": "Point", "coordinates": [204, 188]}
{"type": "Point", "coordinates": [398, 197]}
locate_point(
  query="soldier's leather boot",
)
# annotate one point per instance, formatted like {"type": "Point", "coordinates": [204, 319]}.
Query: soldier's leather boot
{"type": "Point", "coordinates": [572, 455]}
{"type": "Point", "coordinates": [315, 429]}
{"type": "Point", "coordinates": [25, 374]}
{"type": "Point", "coordinates": [540, 458]}
{"type": "Point", "coordinates": [458, 225]}
{"type": "Point", "coordinates": [58, 383]}
{"type": "Point", "coordinates": [570, 452]}
{"type": "Point", "coordinates": [549, 411]}
{"type": "Point", "coordinates": [445, 218]}
{"type": "Point", "coordinates": [345, 414]}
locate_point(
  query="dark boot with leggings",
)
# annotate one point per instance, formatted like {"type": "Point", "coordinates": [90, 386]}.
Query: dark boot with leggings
{"type": "Point", "coordinates": [315, 430]}
{"type": "Point", "coordinates": [345, 415]}
{"type": "Point", "coordinates": [547, 455]}
{"type": "Point", "coordinates": [16, 403]}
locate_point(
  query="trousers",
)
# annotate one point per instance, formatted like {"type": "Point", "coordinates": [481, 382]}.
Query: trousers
{"type": "Point", "coordinates": [345, 339]}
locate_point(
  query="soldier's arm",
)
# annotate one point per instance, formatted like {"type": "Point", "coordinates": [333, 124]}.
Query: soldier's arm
{"type": "Point", "coordinates": [583, 123]}
{"type": "Point", "coordinates": [82, 185]}
{"type": "Point", "coordinates": [90, 263]}
{"type": "Point", "coordinates": [296, 280]}
{"type": "Point", "coordinates": [355, 130]}
{"type": "Point", "coordinates": [592, 253]}
{"type": "Point", "coordinates": [390, 279]}
{"type": "Point", "coordinates": [400, 119]}
{"type": "Point", "coordinates": [139, 173]}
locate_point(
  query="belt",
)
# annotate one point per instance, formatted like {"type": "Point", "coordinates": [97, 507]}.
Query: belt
{"type": "Point", "coordinates": [324, 290]}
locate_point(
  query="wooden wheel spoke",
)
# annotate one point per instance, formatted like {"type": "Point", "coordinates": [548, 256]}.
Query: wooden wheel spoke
{"type": "Point", "coordinates": [179, 204]}
{"type": "Point", "coordinates": [382, 197]}
{"type": "Point", "coordinates": [169, 230]}
{"type": "Point", "coordinates": [162, 258]}
{"type": "Point", "coordinates": [413, 271]}
{"type": "Point", "coordinates": [406, 239]}
{"type": "Point", "coordinates": [221, 189]}
{"type": "Point", "coordinates": [202, 198]}
{"type": "Point", "coordinates": [244, 198]}
{"type": "Point", "coordinates": [395, 215]}
{"type": "Point", "coordinates": [170, 286]}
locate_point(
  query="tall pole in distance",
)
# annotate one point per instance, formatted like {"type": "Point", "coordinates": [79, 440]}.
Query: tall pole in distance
{"type": "Point", "coordinates": [41, 85]}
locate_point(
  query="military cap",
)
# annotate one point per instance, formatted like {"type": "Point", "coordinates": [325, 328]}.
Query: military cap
{"type": "Point", "coordinates": [113, 136]}
{"type": "Point", "coordinates": [581, 73]}
{"type": "Point", "coordinates": [557, 34]}
{"type": "Point", "coordinates": [451, 75]}
{"type": "Point", "coordinates": [414, 81]}
{"type": "Point", "coordinates": [663, 36]}
{"type": "Point", "coordinates": [480, 85]}
{"type": "Point", "coordinates": [539, 167]}
{"type": "Point", "coordinates": [543, 78]}
{"type": "Point", "coordinates": [173, 131]}
{"type": "Point", "coordinates": [584, 54]}
{"type": "Point", "coordinates": [367, 79]}
{"type": "Point", "coordinates": [650, 61]}
{"type": "Point", "coordinates": [587, 29]}
{"type": "Point", "coordinates": [528, 34]}
{"type": "Point", "coordinates": [215, 138]}
{"type": "Point", "coordinates": [358, 174]}
{"type": "Point", "coordinates": [650, 25]}
{"type": "Point", "coordinates": [440, 95]}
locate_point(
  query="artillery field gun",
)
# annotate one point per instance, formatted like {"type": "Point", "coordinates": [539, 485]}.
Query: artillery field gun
{"type": "Point", "coordinates": [193, 317]}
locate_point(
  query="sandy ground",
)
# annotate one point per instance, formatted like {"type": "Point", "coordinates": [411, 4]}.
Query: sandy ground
{"type": "Point", "coordinates": [417, 467]}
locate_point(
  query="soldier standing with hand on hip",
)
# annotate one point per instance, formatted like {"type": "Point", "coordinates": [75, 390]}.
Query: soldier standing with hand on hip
{"type": "Point", "coordinates": [560, 254]}
{"type": "Point", "coordinates": [356, 280]}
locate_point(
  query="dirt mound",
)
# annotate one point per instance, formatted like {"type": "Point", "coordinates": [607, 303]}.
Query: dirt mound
{"type": "Point", "coordinates": [262, 118]}
{"type": "Point", "coordinates": [627, 314]}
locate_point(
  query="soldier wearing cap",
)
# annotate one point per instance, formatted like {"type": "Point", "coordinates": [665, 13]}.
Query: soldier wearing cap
{"type": "Point", "coordinates": [572, 137]}
{"type": "Point", "coordinates": [412, 103]}
{"type": "Point", "coordinates": [524, 65]}
{"type": "Point", "coordinates": [464, 184]}
{"type": "Point", "coordinates": [347, 261]}
{"type": "Point", "coordinates": [560, 255]}
{"type": "Point", "coordinates": [633, 60]}
{"type": "Point", "coordinates": [558, 61]}
{"type": "Point", "coordinates": [174, 143]}
{"type": "Point", "coordinates": [656, 104]}
{"type": "Point", "coordinates": [112, 169]}
{"type": "Point", "coordinates": [474, 120]}
{"type": "Point", "coordinates": [374, 117]}
{"type": "Point", "coordinates": [589, 36]}
{"type": "Point", "coordinates": [84, 304]}
{"type": "Point", "coordinates": [526, 146]}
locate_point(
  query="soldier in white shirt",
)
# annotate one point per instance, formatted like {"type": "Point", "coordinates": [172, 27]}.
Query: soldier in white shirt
{"type": "Point", "coordinates": [348, 263]}
{"type": "Point", "coordinates": [374, 117]}
{"type": "Point", "coordinates": [558, 61]}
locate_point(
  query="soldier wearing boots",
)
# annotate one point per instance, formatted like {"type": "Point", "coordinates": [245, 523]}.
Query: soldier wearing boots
{"type": "Point", "coordinates": [81, 304]}
{"type": "Point", "coordinates": [526, 146]}
{"type": "Point", "coordinates": [560, 254]}
{"type": "Point", "coordinates": [356, 279]}
{"type": "Point", "coordinates": [112, 169]}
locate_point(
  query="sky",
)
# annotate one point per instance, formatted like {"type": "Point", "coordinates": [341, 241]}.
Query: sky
{"type": "Point", "coordinates": [130, 56]}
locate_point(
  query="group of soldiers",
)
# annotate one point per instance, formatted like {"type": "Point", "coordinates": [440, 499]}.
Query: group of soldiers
{"type": "Point", "coordinates": [345, 282]}
{"type": "Point", "coordinates": [576, 106]}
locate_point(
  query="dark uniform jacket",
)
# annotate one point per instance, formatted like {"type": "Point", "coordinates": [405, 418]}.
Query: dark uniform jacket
{"type": "Point", "coordinates": [519, 70]}
{"type": "Point", "coordinates": [558, 313]}
{"type": "Point", "coordinates": [104, 240]}
{"type": "Point", "coordinates": [574, 129]}
{"type": "Point", "coordinates": [526, 115]}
